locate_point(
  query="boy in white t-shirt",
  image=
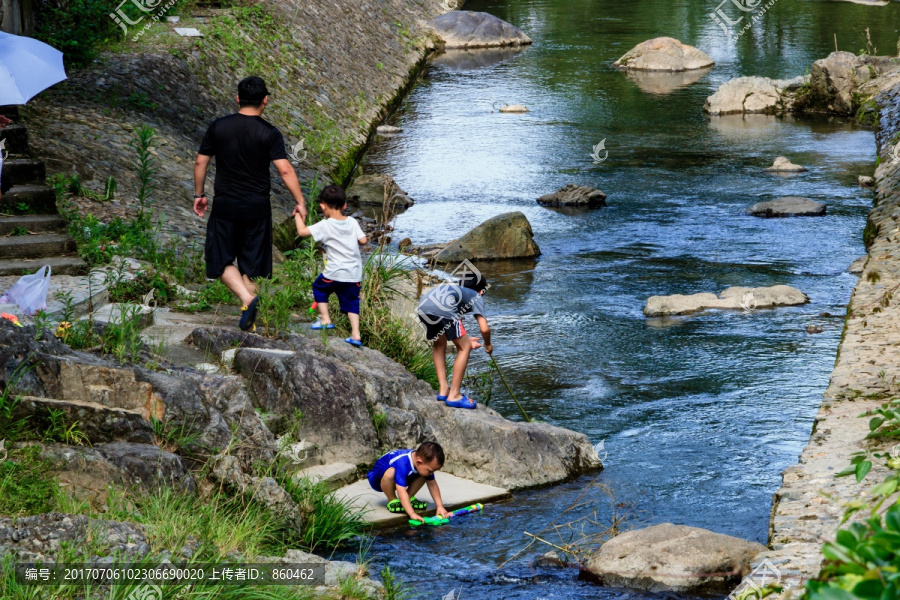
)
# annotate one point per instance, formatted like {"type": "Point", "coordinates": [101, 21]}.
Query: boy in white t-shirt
{"type": "Point", "coordinates": [341, 236]}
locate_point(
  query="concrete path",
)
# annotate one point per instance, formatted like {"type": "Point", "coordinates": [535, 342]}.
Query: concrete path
{"type": "Point", "coordinates": [455, 491]}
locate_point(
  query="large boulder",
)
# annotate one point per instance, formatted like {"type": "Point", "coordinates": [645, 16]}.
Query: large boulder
{"type": "Point", "coordinates": [357, 403]}
{"type": "Point", "coordinates": [505, 236]}
{"type": "Point", "coordinates": [468, 29]}
{"type": "Point", "coordinates": [577, 196]}
{"type": "Point", "coordinates": [735, 298]}
{"type": "Point", "coordinates": [378, 190]}
{"type": "Point", "coordinates": [672, 558]}
{"type": "Point", "coordinates": [835, 80]}
{"type": "Point", "coordinates": [664, 54]}
{"type": "Point", "coordinates": [788, 206]}
{"type": "Point", "coordinates": [748, 95]}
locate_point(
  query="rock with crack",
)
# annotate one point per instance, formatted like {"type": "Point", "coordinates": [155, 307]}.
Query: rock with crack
{"type": "Point", "coordinates": [340, 389]}
{"type": "Point", "coordinates": [672, 558]}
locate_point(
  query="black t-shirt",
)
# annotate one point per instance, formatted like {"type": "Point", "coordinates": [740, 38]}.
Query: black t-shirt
{"type": "Point", "coordinates": [244, 146]}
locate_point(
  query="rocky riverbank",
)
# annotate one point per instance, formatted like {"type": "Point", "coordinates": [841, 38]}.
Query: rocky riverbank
{"type": "Point", "coordinates": [808, 507]}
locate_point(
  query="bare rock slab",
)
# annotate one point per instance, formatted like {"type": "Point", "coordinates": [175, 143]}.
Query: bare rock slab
{"type": "Point", "coordinates": [789, 206]}
{"type": "Point", "coordinates": [783, 165]}
{"type": "Point", "coordinates": [575, 196]}
{"type": "Point", "coordinates": [334, 475]}
{"type": "Point", "coordinates": [664, 54]}
{"type": "Point", "coordinates": [735, 298]}
{"type": "Point", "coordinates": [674, 558]}
{"type": "Point", "coordinates": [378, 190]}
{"type": "Point", "coordinates": [752, 95]}
{"type": "Point", "coordinates": [468, 29]}
{"type": "Point", "coordinates": [505, 236]}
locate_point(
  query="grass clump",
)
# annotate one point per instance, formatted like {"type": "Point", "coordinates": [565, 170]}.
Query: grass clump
{"type": "Point", "coordinates": [328, 521]}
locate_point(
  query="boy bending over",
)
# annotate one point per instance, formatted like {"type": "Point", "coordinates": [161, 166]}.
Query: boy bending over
{"type": "Point", "coordinates": [401, 473]}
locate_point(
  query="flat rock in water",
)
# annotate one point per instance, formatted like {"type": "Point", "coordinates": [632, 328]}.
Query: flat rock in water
{"type": "Point", "coordinates": [673, 558]}
{"type": "Point", "coordinates": [735, 298]}
{"type": "Point", "coordinates": [751, 95]}
{"type": "Point", "coordinates": [378, 190]}
{"type": "Point", "coordinates": [574, 196]}
{"type": "Point", "coordinates": [514, 108]}
{"type": "Point", "coordinates": [468, 29]}
{"type": "Point", "coordinates": [783, 165]}
{"type": "Point", "coordinates": [664, 54]}
{"type": "Point", "coordinates": [505, 236]}
{"type": "Point", "coordinates": [865, 181]}
{"type": "Point", "coordinates": [789, 206]}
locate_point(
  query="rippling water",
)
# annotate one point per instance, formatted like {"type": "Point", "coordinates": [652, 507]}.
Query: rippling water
{"type": "Point", "coordinates": [699, 415]}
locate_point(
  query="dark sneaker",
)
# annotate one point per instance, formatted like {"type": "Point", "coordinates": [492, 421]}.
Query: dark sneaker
{"type": "Point", "coordinates": [248, 315]}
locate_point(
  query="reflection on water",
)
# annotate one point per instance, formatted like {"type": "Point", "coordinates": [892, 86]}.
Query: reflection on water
{"type": "Point", "coordinates": [698, 414]}
{"type": "Point", "coordinates": [662, 82]}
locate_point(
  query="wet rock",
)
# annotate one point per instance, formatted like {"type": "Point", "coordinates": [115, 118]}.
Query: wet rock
{"type": "Point", "coordinates": [357, 383]}
{"type": "Point", "coordinates": [671, 557]}
{"type": "Point", "coordinates": [467, 29]}
{"type": "Point", "coordinates": [387, 130]}
{"type": "Point", "coordinates": [814, 329]}
{"type": "Point", "coordinates": [513, 108]}
{"type": "Point", "coordinates": [858, 265]}
{"type": "Point", "coordinates": [865, 181]}
{"type": "Point", "coordinates": [747, 95]}
{"type": "Point", "coordinates": [549, 559]}
{"type": "Point", "coordinates": [38, 538]}
{"type": "Point", "coordinates": [664, 54]}
{"type": "Point", "coordinates": [789, 206]}
{"type": "Point", "coordinates": [735, 298]}
{"type": "Point", "coordinates": [579, 196]}
{"type": "Point", "coordinates": [783, 165]}
{"type": "Point", "coordinates": [505, 236]}
{"type": "Point", "coordinates": [835, 79]}
{"type": "Point", "coordinates": [378, 190]}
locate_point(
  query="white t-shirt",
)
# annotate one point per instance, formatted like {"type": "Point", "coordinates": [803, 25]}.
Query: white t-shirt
{"type": "Point", "coordinates": [343, 261]}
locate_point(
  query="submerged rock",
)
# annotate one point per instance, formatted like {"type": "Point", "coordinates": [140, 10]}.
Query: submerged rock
{"type": "Point", "coordinates": [737, 298]}
{"type": "Point", "coordinates": [579, 196]}
{"type": "Point", "coordinates": [673, 558]}
{"type": "Point", "coordinates": [378, 190]}
{"type": "Point", "coordinates": [513, 108]}
{"type": "Point", "coordinates": [783, 165]}
{"type": "Point", "coordinates": [468, 29]}
{"type": "Point", "coordinates": [505, 236]}
{"type": "Point", "coordinates": [789, 206]}
{"type": "Point", "coordinates": [865, 181]}
{"type": "Point", "coordinates": [664, 54]}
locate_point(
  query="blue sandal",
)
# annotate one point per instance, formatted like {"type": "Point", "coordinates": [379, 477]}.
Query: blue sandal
{"type": "Point", "coordinates": [353, 342]}
{"type": "Point", "coordinates": [463, 402]}
{"type": "Point", "coordinates": [318, 325]}
{"type": "Point", "coordinates": [441, 398]}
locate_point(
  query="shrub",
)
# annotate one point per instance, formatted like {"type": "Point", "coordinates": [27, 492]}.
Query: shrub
{"type": "Point", "coordinates": [77, 28]}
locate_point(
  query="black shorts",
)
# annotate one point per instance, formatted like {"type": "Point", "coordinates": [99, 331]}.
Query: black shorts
{"type": "Point", "coordinates": [247, 240]}
{"type": "Point", "coordinates": [436, 326]}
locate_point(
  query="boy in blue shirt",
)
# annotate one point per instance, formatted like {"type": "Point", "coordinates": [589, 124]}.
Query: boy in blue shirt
{"type": "Point", "coordinates": [341, 236]}
{"type": "Point", "coordinates": [401, 473]}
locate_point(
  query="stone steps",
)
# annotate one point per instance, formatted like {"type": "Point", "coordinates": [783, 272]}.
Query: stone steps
{"type": "Point", "coordinates": [37, 246]}
{"type": "Point", "coordinates": [15, 139]}
{"type": "Point", "coordinates": [33, 223]}
{"type": "Point", "coordinates": [22, 171]}
{"type": "Point", "coordinates": [59, 265]}
{"type": "Point", "coordinates": [36, 198]}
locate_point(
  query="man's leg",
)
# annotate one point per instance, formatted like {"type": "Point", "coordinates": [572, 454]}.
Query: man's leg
{"type": "Point", "coordinates": [389, 485]}
{"type": "Point", "coordinates": [439, 354]}
{"type": "Point", "coordinates": [234, 281]}
{"type": "Point", "coordinates": [464, 348]}
{"type": "Point", "coordinates": [251, 285]}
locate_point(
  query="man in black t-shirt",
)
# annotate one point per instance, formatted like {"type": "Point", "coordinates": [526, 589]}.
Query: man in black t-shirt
{"type": "Point", "coordinates": [240, 225]}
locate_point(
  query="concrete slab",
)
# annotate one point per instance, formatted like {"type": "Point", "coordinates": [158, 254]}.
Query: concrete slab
{"type": "Point", "coordinates": [455, 491]}
{"type": "Point", "coordinates": [336, 475]}
{"type": "Point", "coordinates": [84, 293]}
{"type": "Point", "coordinates": [113, 313]}
{"type": "Point", "coordinates": [167, 336]}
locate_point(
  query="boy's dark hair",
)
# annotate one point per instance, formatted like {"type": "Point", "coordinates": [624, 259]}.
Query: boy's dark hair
{"type": "Point", "coordinates": [251, 91]}
{"type": "Point", "coordinates": [473, 280]}
{"type": "Point", "coordinates": [429, 451]}
{"type": "Point", "coordinates": [333, 196]}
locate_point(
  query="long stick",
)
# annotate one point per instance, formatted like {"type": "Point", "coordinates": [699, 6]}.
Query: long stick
{"type": "Point", "coordinates": [508, 389]}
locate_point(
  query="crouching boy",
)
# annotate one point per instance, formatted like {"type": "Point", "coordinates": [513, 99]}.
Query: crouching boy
{"type": "Point", "coordinates": [402, 473]}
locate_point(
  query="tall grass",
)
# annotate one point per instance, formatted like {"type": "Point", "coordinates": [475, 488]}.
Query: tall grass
{"type": "Point", "coordinates": [328, 521]}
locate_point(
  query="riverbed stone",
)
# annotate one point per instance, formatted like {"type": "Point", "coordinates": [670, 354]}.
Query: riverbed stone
{"type": "Point", "coordinates": [505, 236]}
{"type": "Point", "coordinates": [783, 165]}
{"type": "Point", "coordinates": [865, 181]}
{"type": "Point", "coordinates": [468, 29]}
{"type": "Point", "coordinates": [664, 54]}
{"type": "Point", "coordinates": [672, 558]}
{"type": "Point", "coordinates": [378, 190]}
{"type": "Point", "coordinates": [514, 108]}
{"type": "Point", "coordinates": [573, 195]}
{"type": "Point", "coordinates": [733, 298]}
{"type": "Point", "coordinates": [748, 95]}
{"type": "Point", "coordinates": [788, 206]}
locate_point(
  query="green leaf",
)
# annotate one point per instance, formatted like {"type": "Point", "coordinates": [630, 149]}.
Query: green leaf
{"type": "Point", "coordinates": [875, 423]}
{"type": "Point", "coordinates": [862, 470]}
{"type": "Point", "coordinates": [885, 488]}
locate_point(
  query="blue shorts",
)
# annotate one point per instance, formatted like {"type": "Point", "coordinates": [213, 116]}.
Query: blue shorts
{"type": "Point", "coordinates": [346, 291]}
{"type": "Point", "coordinates": [377, 473]}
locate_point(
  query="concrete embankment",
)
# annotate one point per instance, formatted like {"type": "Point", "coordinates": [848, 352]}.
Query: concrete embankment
{"type": "Point", "coordinates": [808, 507]}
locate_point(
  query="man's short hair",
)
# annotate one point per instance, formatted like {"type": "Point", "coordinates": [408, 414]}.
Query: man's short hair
{"type": "Point", "coordinates": [333, 196]}
{"type": "Point", "coordinates": [473, 280]}
{"type": "Point", "coordinates": [251, 91]}
{"type": "Point", "coordinates": [429, 451]}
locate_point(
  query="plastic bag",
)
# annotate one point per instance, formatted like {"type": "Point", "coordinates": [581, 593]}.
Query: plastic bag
{"type": "Point", "coordinates": [30, 292]}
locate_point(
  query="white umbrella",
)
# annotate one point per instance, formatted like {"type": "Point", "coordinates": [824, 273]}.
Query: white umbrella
{"type": "Point", "coordinates": [27, 67]}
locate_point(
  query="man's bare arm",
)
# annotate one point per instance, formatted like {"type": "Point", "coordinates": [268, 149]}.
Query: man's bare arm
{"type": "Point", "coordinates": [289, 176]}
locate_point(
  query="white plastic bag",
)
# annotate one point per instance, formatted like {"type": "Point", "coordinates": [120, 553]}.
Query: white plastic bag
{"type": "Point", "coordinates": [30, 292]}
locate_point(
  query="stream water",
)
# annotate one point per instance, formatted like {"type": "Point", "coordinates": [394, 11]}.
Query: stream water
{"type": "Point", "coordinates": [699, 415]}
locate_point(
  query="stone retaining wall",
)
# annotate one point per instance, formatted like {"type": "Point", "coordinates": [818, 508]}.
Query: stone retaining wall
{"type": "Point", "coordinates": [334, 68]}
{"type": "Point", "coordinates": [807, 509]}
